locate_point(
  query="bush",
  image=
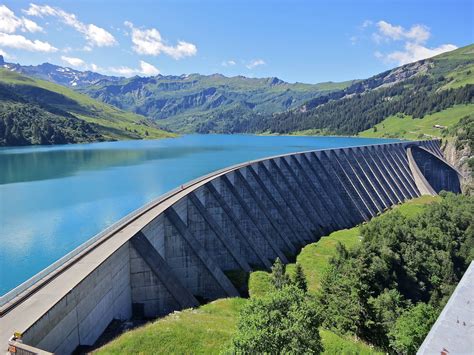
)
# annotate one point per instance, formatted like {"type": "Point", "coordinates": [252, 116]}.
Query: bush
{"type": "Point", "coordinates": [282, 322]}
{"type": "Point", "coordinates": [401, 261]}
{"type": "Point", "coordinates": [411, 328]}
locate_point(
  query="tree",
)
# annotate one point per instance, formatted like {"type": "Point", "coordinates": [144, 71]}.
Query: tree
{"type": "Point", "coordinates": [299, 278]}
{"type": "Point", "coordinates": [284, 321]}
{"type": "Point", "coordinates": [412, 327]}
{"type": "Point", "coordinates": [385, 310]}
{"type": "Point", "coordinates": [279, 276]}
{"type": "Point", "coordinates": [402, 260]}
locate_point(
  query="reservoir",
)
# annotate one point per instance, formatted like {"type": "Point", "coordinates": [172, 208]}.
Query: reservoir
{"type": "Point", "coordinates": [54, 198]}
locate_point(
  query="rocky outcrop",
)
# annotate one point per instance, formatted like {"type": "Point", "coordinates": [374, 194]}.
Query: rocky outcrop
{"type": "Point", "coordinates": [459, 157]}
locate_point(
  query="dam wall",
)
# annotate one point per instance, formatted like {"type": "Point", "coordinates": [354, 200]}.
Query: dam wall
{"type": "Point", "coordinates": [180, 250]}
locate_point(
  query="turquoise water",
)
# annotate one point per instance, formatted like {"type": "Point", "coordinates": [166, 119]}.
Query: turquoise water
{"type": "Point", "coordinates": [54, 198]}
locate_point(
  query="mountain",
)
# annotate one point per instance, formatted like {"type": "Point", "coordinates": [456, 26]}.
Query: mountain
{"type": "Point", "coordinates": [205, 103]}
{"type": "Point", "coordinates": [34, 111]}
{"type": "Point", "coordinates": [186, 103]}
{"type": "Point", "coordinates": [57, 74]}
{"type": "Point", "coordinates": [413, 90]}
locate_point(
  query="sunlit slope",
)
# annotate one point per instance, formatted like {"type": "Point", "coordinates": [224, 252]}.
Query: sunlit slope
{"type": "Point", "coordinates": [33, 107]}
{"type": "Point", "coordinates": [430, 126]}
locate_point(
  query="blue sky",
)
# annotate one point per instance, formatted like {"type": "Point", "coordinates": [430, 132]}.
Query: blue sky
{"type": "Point", "coordinates": [305, 41]}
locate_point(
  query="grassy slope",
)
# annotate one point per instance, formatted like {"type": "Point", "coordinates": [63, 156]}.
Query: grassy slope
{"type": "Point", "coordinates": [209, 329]}
{"type": "Point", "coordinates": [408, 128]}
{"type": "Point", "coordinates": [111, 122]}
{"type": "Point", "coordinates": [457, 67]}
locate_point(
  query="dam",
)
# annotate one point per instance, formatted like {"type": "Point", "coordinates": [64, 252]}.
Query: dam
{"type": "Point", "coordinates": [179, 250]}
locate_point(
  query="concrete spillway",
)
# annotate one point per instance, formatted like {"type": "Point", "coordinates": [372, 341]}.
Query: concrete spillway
{"type": "Point", "coordinates": [179, 249]}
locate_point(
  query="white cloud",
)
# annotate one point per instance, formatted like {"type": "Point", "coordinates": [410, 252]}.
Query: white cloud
{"type": "Point", "coordinates": [9, 23]}
{"type": "Point", "coordinates": [255, 63]}
{"type": "Point", "coordinates": [414, 52]}
{"type": "Point", "coordinates": [20, 42]}
{"type": "Point", "coordinates": [30, 26]}
{"type": "Point", "coordinates": [3, 53]}
{"type": "Point", "coordinates": [367, 23]}
{"type": "Point", "coordinates": [94, 35]}
{"type": "Point", "coordinates": [150, 42]}
{"type": "Point", "coordinates": [387, 31]}
{"type": "Point", "coordinates": [75, 62]}
{"type": "Point", "coordinates": [228, 63]}
{"type": "Point", "coordinates": [414, 39]}
{"type": "Point", "coordinates": [146, 69]}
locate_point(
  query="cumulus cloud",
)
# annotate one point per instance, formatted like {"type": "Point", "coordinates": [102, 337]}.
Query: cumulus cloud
{"type": "Point", "coordinates": [414, 43]}
{"type": "Point", "coordinates": [145, 68]}
{"type": "Point", "coordinates": [387, 31]}
{"type": "Point", "coordinates": [414, 52]}
{"type": "Point", "coordinates": [75, 62]}
{"type": "Point", "coordinates": [228, 63]}
{"type": "Point", "coordinates": [148, 69]}
{"type": "Point", "coordinates": [150, 42]}
{"type": "Point", "coordinates": [255, 63]}
{"type": "Point", "coordinates": [20, 42]}
{"type": "Point", "coordinates": [10, 23]}
{"type": "Point", "coordinates": [3, 53]}
{"type": "Point", "coordinates": [94, 35]}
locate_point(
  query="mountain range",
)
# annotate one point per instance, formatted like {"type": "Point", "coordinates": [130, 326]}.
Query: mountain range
{"type": "Point", "coordinates": [219, 104]}
{"type": "Point", "coordinates": [185, 103]}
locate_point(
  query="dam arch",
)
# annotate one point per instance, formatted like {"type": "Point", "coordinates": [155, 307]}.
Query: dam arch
{"type": "Point", "coordinates": [431, 173]}
{"type": "Point", "coordinates": [179, 250]}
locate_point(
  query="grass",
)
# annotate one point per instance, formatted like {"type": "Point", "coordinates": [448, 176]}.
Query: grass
{"type": "Point", "coordinates": [209, 328]}
{"type": "Point", "coordinates": [409, 128]}
{"type": "Point", "coordinates": [460, 77]}
{"type": "Point", "coordinates": [336, 344]}
{"type": "Point", "coordinates": [205, 330]}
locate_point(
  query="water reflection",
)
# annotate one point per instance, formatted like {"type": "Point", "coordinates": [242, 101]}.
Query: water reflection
{"type": "Point", "coordinates": [45, 164]}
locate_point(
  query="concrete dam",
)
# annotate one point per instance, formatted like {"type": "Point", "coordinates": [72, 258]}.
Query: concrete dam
{"type": "Point", "coordinates": [179, 250]}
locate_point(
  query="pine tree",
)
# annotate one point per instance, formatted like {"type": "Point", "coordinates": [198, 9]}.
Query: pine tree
{"type": "Point", "coordinates": [299, 278]}
{"type": "Point", "coordinates": [279, 276]}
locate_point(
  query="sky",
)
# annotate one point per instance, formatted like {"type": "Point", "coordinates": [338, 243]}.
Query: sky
{"type": "Point", "coordinates": [296, 41]}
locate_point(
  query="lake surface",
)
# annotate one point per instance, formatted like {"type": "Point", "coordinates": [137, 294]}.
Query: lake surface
{"type": "Point", "coordinates": [52, 199]}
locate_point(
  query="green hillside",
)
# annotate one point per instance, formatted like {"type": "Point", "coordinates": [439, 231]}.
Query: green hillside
{"type": "Point", "coordinates": [417, 90]}
{"type": "Point", "coordinates": [209, 328]}
{"type": "Point", "coordinates": [205, 103]}
{"type": "Point", "coordinates": [34, 111]}
{"type": "Point", "coordinates": [403, 126]}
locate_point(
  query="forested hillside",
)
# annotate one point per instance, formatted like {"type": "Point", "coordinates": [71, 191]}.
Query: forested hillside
{"type": "Point", "coordinates": [417, 89]}
{"type": "Point", "coordinates": [33, 111]}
